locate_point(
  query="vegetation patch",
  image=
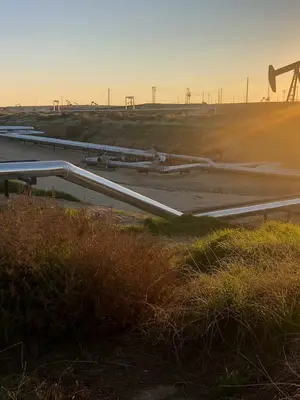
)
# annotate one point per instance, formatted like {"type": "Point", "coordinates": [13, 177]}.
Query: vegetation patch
{"type": "Point", "coordinates": [21, 188]}
{"type": "Point", "coordinates": [187, 225]}
{"type": "Point", "coordinates": [239, 307]}
{"type": "Point", "coordinates": [273, 241]}
{"type": "Point", "coordinates": [65, 274]}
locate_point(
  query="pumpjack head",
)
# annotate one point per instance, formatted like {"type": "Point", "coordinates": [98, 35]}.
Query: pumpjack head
{"type": "Point", "coordinates": [283, 70]}
{"type": "Point", "coordinates": [272, 78]}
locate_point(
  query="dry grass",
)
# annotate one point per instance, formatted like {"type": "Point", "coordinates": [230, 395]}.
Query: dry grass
{"type": "Point", "coordinates": [64, 271]}
{"type": "Point", "coordinates": [27, 387]}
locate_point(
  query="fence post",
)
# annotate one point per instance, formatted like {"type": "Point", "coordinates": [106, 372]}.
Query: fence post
{"type": "Point", "coordinates": [6, 191]}
{"type": "Point", "coordinates": [265, 217]}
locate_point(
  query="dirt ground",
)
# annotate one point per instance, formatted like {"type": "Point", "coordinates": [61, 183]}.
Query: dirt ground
{"type": "Point", "coordinates": [120, 369]}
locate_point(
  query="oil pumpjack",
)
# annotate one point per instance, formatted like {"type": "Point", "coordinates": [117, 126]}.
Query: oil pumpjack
{"type": "Point", "coordinates": [273, 73]}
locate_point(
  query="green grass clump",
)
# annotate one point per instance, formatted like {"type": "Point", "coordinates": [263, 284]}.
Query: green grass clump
{"type": "Point", "coordinates": [239, 307]}
{"type": "Point", "coordinates": [20, 188]}
{"type": "Point", "coordinates": [187, 225]}
{"type": "Point", "coordinates": [273, 241]}
{"type": "Point", "coordinates": [245, 290]}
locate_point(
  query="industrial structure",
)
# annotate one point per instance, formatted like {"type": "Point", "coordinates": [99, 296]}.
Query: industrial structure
{"type": "Point", "coordinates": [273, 73]}
{"type": "Point", "coordinates": [188, 96]}
{"type": "Point", "coordinates": [31, 170]}
{"type": "Point", "coordinates": [129, 102]}
{"type": "Point", "coordinates": [146, 161]}
{"type": "Point", "coordinates": [142, 161]}
{"type": "Point", "coordinates": [290, 95]}
{"type": "Point", "coordinates": [56, 106]}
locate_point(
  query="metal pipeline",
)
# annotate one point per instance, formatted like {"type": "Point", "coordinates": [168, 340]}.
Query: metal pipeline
{"type": "Point", "coordinates": [91, 147]}
{"type": "Point", "coordinates": [19, 130]}
{"type": "Point", "coordinates": [84, 178]}
{"type": "Point", "coordinates": [144, 166]}
{"type": "Point", "coordinates": [199, 162]}
{"type": "Point", "coordinates": [71, 173]}
{"type": "Point", "coordinates": [112, 162]}
{"type": "Point", "coordinates": [258, 168]}
{"type": "Point", "coordinates": [15, 128]}
{"type": "Point", "coordinates": [251, 210]}
{"type": "Point", "coordinates": [21, 133]}
{"type": "Point", "coordinates": [92, 160]}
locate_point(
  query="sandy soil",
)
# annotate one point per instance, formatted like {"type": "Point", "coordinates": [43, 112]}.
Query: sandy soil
{"type": "Point", "coordinates": [189, 192]}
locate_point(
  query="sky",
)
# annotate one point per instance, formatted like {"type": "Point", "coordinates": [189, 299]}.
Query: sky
{"type": "Point", "coordinates": [77, 49]}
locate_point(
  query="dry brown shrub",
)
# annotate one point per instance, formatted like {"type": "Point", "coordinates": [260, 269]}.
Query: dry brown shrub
{"type": "Point", "coordinates": [62, 270]}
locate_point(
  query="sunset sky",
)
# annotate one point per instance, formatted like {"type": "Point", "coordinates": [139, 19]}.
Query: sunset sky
{"type": "Point", "coordinates": [79, 48]}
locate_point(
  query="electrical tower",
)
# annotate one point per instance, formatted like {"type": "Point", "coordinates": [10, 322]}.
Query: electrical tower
{"type": "Point", "coordinates": [188, 96]}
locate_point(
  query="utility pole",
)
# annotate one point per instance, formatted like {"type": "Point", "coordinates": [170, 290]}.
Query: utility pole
{"type": "Point", "coordinates": [208, 98]}
{"type": "Point", "coordinates": [108, 97]}
{"type": "Point", "coordinates": [153, 94]}
{"type": "Point", "coordinates": [203, 100]}
{"type": "Point", "coordinates": [221, 95]}
{"type": "Point", "coordinates": [247, 91]}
